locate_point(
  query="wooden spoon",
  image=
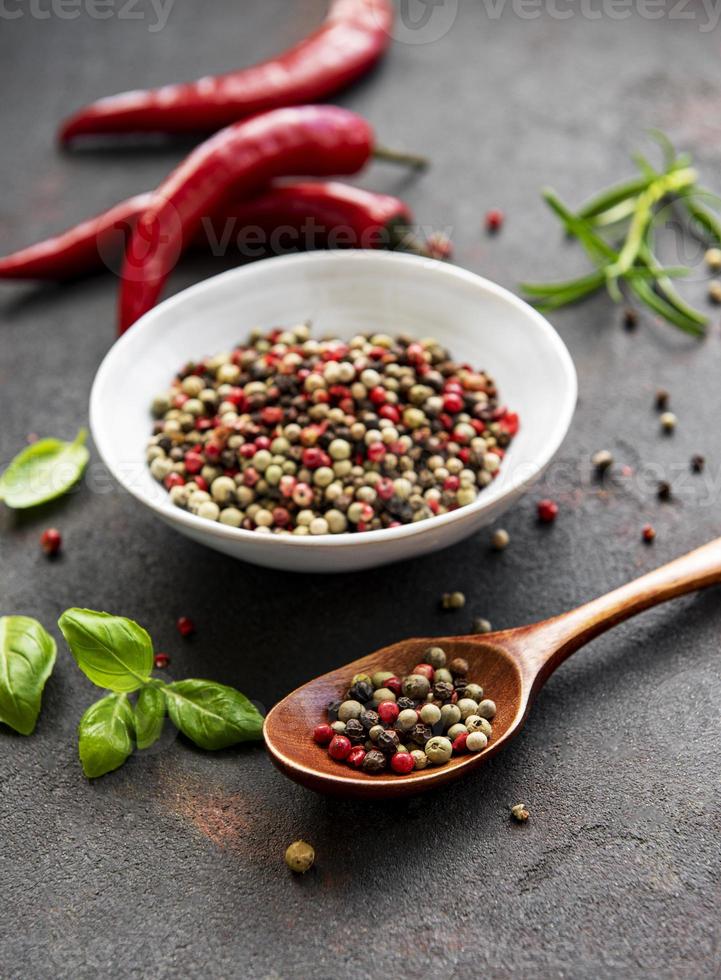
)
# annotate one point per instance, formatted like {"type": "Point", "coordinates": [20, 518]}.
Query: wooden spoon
{"type": "Point", "coordinates": [511, 666]}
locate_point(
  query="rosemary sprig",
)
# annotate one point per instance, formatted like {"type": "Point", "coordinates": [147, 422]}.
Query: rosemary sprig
{"type": "Point", "coordinates": [615, 228]}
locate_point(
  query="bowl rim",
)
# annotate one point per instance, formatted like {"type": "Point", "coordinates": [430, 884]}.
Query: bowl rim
{"type": "Point", "coordinates": [518, 483]}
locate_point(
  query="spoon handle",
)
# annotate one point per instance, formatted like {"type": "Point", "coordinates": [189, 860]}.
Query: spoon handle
{"type": "Point", "coordinates": [567, 633]}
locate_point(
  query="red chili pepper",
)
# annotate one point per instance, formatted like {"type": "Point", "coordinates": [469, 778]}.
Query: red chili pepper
{"type": "Point", "coordinates": [237, 161]}
{"type": "Point", "coordinates": [351, 40]}
{"type": "Point", "coordinates": [308, 214]}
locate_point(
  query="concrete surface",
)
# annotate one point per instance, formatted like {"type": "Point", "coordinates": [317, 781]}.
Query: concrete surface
{"type": "Point", "coordinates": [174, 865]}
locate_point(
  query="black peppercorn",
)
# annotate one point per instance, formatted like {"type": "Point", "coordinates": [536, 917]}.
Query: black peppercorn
{"type": "Point", "coordinates": [368, 719]}
{"type": "Point", "coordinates": [388, 741]}
{"type": "Point", "coordinates": [459, 686]}
{"type": "Point", "coordinates": [420, 733]}
{"type": "Point", "coordinates": [355, 732]}
{"type": "Point", "coordinates": [361, 691]}
{"type": "Point", "coordinates": [662, 399]}
{"type": "Point", "coordinates": [332, 710]}
{"type": "Point", "coordinates": [374, 761]}
{"type": "Point", "coordinates": [458, 667]}
{"type": "Point", "coordinates": [630, 318]}
{"type": "Point", "coordinates": [443, 690]}
{"type": "Point", "coordinates": [664, 490]}
{"type": "Point", "coordinates": [697, 464]}
{"type": "Point", "coordinates": [404, 703]}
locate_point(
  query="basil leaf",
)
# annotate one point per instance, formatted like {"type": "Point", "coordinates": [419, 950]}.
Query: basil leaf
{"type": "Point", "coordinates": [105, 735]}
{"type": "Point", "coordinates": [113, 652]}
{"type": "Point", "coordinates": [212, 715]}
{"type": "Point", "coordinates": [149, 716]}
{"type": "Point", "coordinates": [27, 658]}
{"type": "Point", "coordinates": [43, 471]}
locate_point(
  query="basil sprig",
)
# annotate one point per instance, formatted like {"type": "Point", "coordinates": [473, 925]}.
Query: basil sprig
{"type": "Point", "coordinates": [43, 471]}
{"type": "Point", "coordinates": [117, 653]}
{"type": "Point", "coordinates": [27, 658]}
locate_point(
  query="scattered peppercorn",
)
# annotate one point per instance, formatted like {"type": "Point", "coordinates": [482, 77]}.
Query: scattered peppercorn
{"type": "Point", "coordinates": [162, 660]}
{"type": "Point", "coordinates": [663, 399]}
{"type": "Point", "coordinates": [648, 533]}
{"type": "Point", "coordinates": [494, 220]}
{"type": "Point", "coordinates": [698, 463]}
{"type": "Point", "coordinates": [602, 461]}
{"type": "Point", "coordinates": [291, 435]}
{"type": "Point", "coordinates": [630, 318]}
{"type": "Point", "coordinates": [300, 857]}
{"type": "Point", "coordinates": [423, 726]}
{"type": "Point", "coordinates": [664, 490]}
{"type": "Point", "coordinates": [500, 540]}
{"type": "Point", "coordinates": [668, 422]}
{"type": "Point", "coordinates": [51, 541]}
{"type": "Point", "coordinates": [439, 246]}
{"type": "Point", "coordinates": [481, 625]}
{"type": "Point", "coordinates": [547, 511]}
{"type": "Point", "coordinates": [185, 626]}
{"type": "Point", "coordinates": [520, 813]}
{"type": "Point", "coordinates": [714, 291]}
{"type": "Point", "coordinates": [713, 259]}
{"type": "Point", "coordinates": [453, 600]}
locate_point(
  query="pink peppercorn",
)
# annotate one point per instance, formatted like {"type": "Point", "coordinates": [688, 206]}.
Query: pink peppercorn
{"type": "Point", "coordinates": [494, 220]}
{"type": "Point", "coordinates": [425, 670]}
{"type": "Point", "coordinates": [194, 462]}
{"type": "Point", "coordinates": [356, 756]}
{"type": "Point", "coordinates": [185, 626]}
{"type": "Point", "coordinates": [402, 763]}
{"type": "Point", "coordinates": [388, 711]}
{"type": "Point", "coordinates": [452, 403]}
{"type": "Point", "coordinates": [339, 748]}
{"type": "Point", "coordinates": [50, 541]}
{"type": "Point", "coordinates": [173, 480]}
{"type": "Point", "coordinates": [547, 511]}
{"type": "Point", "coordinates": [322, 734]}
{"type": "Point", "coordinates": [393, 684]}
{"type": "Point", "coordinates": [459, 743]}
{"type": "Point", "coordinates": [648, 533]}
{"type": "Point", "coordinates": [162, 660]}
{"type": "Point", "coordinates": [376, 452]}
{"type": "Point", "coordinates": [201, 483]}
{"type": "Point", "coordinates": [385, 488]}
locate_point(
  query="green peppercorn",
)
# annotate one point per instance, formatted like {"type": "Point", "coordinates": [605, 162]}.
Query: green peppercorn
{"type": "Point", "coordinates": [474, 691]}
{"type": "Point", "coordinates": [487, 709]}
{"type": "Point", "coordinates": [374, 732]}
{"type": "Point", "coordinates": [481, 625]}
{"type": "Point", "coordinates": [300, 857]}
{"type": "Point", "coordinates": [416, 686]}
{"type": "Point", "coordinates": [500, 540]}
{"type": "Point", "coordinates": [466, 706]}
{"type": "Point", "coordinates": [338, 727]}
{"type": "Point", "coordinates": [380, 677]}
{"type": "Point", "coordinates": [476, 742]}
{"type": "Point", "coordinates": [455, 730]}
{"type": "Point", "coordinates": [430, 714]}
{"type": "Point", "coordinates": [349, 709]}
{"type": "Point", "coordinates": [358, 678]}
{"type": "Point", "coordinates": [420, 759]}
{"type": "Point", "coordinates": [435, 656]}
{"type": "Point", "coordinates": [406, 720]}
{"type": "Point", "coordinates": [438, 750]}
{"type": "Point", "coordinates": [450, 715]}
{"type": "Point", "coordinates": [443, 676]}
{"type": "Point", "coordinates": [383, 694]}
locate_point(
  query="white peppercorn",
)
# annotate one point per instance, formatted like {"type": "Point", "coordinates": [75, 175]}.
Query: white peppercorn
{"type": "Point", "coordinates": [416, 686]}
{"type": "Point", "coordinates": [435, 656]}
{"type": "Point", "coordinates": [476, 742]}
{"type": "Point", "coordinates": [438, 750]}
{"type": "Point", "coordinates": [420, 759]}
{"type": "Point", "coordinates": [407, 719]}
{"type": "Point", "coordinates": [383, 694]}
{"type": "Point", "coordinates": [487, 709]}
{"type": "Point", "coordinates": [467, 706]}
{"type": "Point", "coordinates": [430, 714]}
{"type": "Point", "coordinates": [473, 691]}
{"type": "Point", "coordinates": [450, 715]}
{"type": "Point", "coordinates": [455, 730]}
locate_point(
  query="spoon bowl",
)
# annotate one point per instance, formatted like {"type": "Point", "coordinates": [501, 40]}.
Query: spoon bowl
{"type": "Point", "coordinates": [511, 666]}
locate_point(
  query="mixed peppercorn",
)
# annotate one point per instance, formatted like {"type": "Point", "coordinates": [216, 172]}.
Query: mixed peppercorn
{"type": "Point", "coordinates": [406, 723]}
{"type": "Point", "coordinates": [287, 434]}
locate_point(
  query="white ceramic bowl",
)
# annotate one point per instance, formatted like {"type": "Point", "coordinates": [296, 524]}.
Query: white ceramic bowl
{"type": "Point", "coordinates": [341, 292]}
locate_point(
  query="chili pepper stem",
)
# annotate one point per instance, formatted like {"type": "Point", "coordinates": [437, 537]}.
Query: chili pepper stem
{"type": "Point", "coordinates": [413, 160]}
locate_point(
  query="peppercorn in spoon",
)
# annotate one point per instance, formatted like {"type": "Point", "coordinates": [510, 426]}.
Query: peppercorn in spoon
{"type": "Point", "coordinates": [512, 666]}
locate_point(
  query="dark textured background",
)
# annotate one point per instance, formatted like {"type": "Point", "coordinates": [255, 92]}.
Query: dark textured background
{"type": "Point", "coordinates": [174, 865]}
